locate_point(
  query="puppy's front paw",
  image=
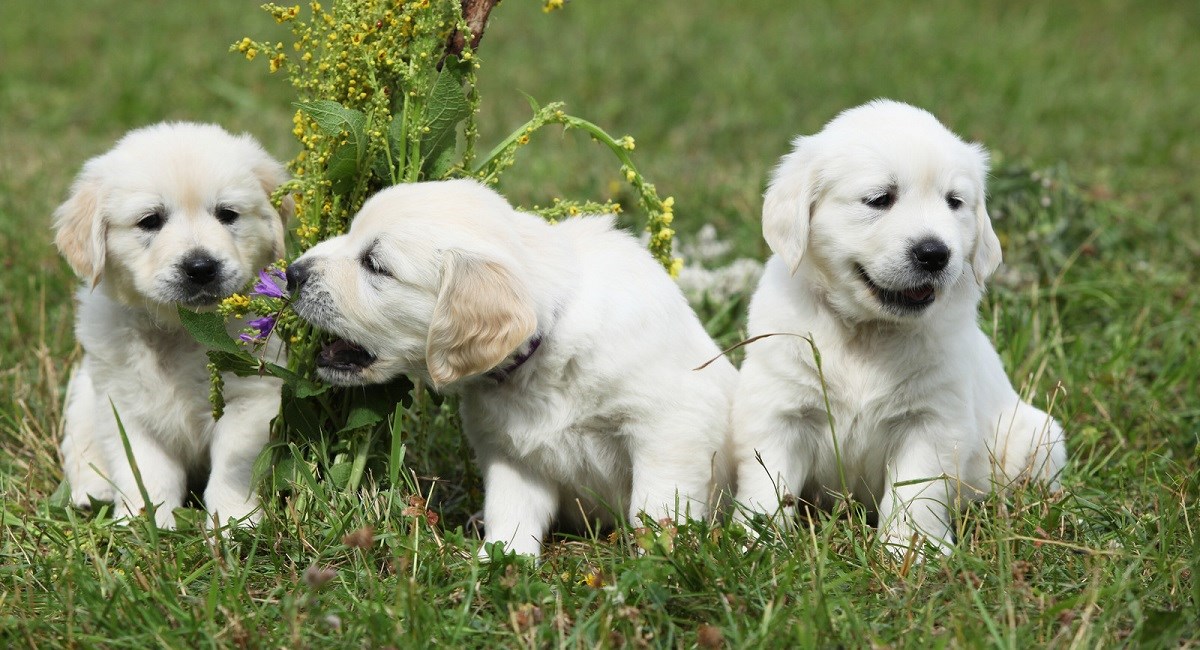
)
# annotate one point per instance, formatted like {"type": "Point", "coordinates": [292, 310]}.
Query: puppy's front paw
{"type": "Point", "coordinates": [164, 517]}
{"type": "Point", "coordinates": [905, 544]}
{"type": "Point", "coordinates": [491, 550]}
{"type": "Point", "coordinates": [228, 507]}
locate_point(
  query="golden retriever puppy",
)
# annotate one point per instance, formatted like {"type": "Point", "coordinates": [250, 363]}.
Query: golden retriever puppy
{"type": "Point", "coordinates": [571, 348]}
{"type": "Point", "coordinates": [882, 246]}
{"type": "Point", "coordinates": [176, 214]}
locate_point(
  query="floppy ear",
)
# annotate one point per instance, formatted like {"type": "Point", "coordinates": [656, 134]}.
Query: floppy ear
{"type": "Point", "coordinates": [271, 174]}
{"type": "Point", "coordinates": [987, 246]}
{"type": "Point", "coordinates": [80, 229]}
{"type": "Point", "coordinates": [482, 315]}
{"type": "Point", "coordinates": [787, 206]}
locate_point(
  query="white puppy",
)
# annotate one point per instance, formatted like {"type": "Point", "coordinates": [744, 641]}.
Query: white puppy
{"type": "Point", "coordinates": [571, 348]}
{"type": "Point", "coordinates": [882, 245]}
{"type": "Point", "coordinates": [175, 214]}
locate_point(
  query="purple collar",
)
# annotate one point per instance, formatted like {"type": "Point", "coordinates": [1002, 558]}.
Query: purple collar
{"type": "Point", "coordinates": [500, 374]}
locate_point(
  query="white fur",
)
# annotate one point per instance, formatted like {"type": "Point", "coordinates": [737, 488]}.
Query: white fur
{"type": "Point", "coordinates": [923, 414]}
{"type": "Point", "coordinates": [606, 413]}
{"type": "Point", "coordinates": [138, 360]}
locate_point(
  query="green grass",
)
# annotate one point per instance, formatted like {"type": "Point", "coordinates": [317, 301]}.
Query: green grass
{"type": "Point", "coordinates": [1098, 295]}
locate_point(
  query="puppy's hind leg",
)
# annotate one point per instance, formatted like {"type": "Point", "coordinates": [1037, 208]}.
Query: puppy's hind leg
{"type": "Point", "coordinates": [1029, 445]}
{"type": "Point", "coordinates": [83, 463]}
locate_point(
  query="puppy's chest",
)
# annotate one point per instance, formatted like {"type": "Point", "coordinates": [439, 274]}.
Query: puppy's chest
{"type": "Point", "coordinates": [552, 435]}
{"type": "Point", "coordinates": [875, 397]}
{"type": "Point", "coordinates": [163, 383]}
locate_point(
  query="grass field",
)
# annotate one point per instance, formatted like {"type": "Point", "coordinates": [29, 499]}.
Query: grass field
{"type": "Point", "coordinates": [1092, 110]}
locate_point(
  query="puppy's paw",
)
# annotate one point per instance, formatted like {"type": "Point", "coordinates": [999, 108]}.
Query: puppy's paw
{"type": "Point", "coordinates": [491, 550]}
{"type": "Point", "coordinates": [240, 512]}
{"type": "Point", "coordinates": [909, 547]}
{"type": "Point", "coordinates": [164, 517]}
{"type": "Point", "coordinates": [86, 489]}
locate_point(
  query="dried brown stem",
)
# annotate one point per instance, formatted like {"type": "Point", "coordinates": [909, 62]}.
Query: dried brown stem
{"type": "Point", "coordinates": [475, 13]}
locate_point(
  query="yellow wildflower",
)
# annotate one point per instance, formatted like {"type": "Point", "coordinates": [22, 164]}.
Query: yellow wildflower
{"type": "Point", "coordinates": [627, 143]}
{"type": "Point", "coordinates": [236, 301]}
{"type": "Point", "coordinates": [676, 267]}
{"type": "Point", "coordinates": [593, 579]}
{"type": "Point", "coordinates": [551, 5]}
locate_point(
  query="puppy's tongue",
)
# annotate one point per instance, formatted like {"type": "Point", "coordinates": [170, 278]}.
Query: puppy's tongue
{"type": "Point", "coordinates": [344, 353]}
{"type": "Point", "coordinates": [918, 294]}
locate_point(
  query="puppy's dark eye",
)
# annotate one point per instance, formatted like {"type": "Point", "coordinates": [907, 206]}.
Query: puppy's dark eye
{"type": "Point", "coordinates": [152, 221]}
{"type": "Point", "coordinates": [226, 215]}
{"type": "Point", "coordinates": [954, 202]}
{"type": "Point", "coordinates": [368, 262]}
{"type": "Point", "coordinates": [881, 201]}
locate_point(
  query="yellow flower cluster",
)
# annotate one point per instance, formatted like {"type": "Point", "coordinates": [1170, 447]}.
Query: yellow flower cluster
{"type": "Point", "coordinates": [235, 306]}
{"type": "Point", "coordinates": [551, 5]}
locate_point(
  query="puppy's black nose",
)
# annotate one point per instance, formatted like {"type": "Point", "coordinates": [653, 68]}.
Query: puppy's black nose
{"type": "Point", "coordinates": [930, 255]}
{"type": "Point", "coordinates": [297, 275]}
{"type": "Point", "coordinates": [200, 268]}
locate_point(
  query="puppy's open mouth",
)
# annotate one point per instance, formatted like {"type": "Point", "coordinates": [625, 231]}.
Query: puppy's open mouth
{"type": "Point", "coordinates": [911, 299]}
{"type": "Point", "coordinates": [343, 356]}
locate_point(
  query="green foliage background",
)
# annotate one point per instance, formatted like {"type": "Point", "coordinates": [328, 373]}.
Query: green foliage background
{"type": "Point", "coordinates": [1098, 98]}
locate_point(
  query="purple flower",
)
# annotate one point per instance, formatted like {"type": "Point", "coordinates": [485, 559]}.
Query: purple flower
{"type": "Point", "coordinates": [264, 326]}
{"type": "Point", "coordinates": [269, 283]}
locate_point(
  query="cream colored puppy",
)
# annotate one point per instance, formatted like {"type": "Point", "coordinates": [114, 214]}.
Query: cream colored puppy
{"type": "Point", "coordinates": [882, 245]}
{"type": "Point", "coordinates": [175, 214]}
{"type": "Point", "coordinates": [571, 348]}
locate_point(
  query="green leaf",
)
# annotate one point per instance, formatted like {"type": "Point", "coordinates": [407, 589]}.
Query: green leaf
{"type": "Point", "coordinates": [447, 106]}
{"type": "Point", "coordinates": [342, 168]}
{"type": "Point", "coordinates": [208, 328]}
{"type": "Point", "coordinates": [373, 404]}
{"type": "Point", "coordinates": [333, 119]}
{"type": "Point", "coordinates": [243, 364]}
{"type": "Point", "coordinates": [62, 496]}
{"type": "Point", "coordinates": [239, 363]}
{"type": "Point", "coordinates": [284, 475]}
{"type": "Point", "coordinates": [339, 475]}
{"type": "Point", "coordinates": [301, 415]}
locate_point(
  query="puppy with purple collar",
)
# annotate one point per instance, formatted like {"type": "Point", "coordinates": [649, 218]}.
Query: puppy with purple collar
{"type": "Point", "coordinates": [882, 246]}
{"type": "Point", "coordinates": [572, 351]}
